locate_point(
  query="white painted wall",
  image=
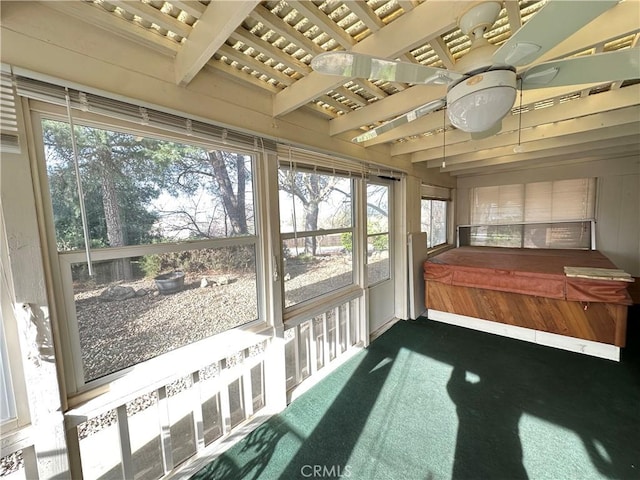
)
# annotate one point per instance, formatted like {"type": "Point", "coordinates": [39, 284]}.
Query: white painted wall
{"type": "Point", "coordinates": [618, 202]}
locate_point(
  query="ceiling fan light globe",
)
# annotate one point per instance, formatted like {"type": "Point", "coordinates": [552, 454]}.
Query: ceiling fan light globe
{"type": "Point", "coordinates": [481, 101]}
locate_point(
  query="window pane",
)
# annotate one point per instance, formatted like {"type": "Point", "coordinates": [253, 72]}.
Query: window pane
{"type": "Point", "coordinates": [313, 201]}
{"type": "Point", "coordinates": [308, 275]}
{"type": "Point", "coordinates": [560, 235]}
{"type": "Point", "coordinates": [425, 216]}
{"type": "Point", "coordinates": [140, 190]}
{"type": "Point", "coordinates": [377, 208]}
{"type": "Point", "coordinates": [434, 221]}
{"type": "Point", "coordinates": [126, 316]}
{"type": "Point", "coordinates": [497, 236]}
{"type": "Point", "coordinates": [378, 266]}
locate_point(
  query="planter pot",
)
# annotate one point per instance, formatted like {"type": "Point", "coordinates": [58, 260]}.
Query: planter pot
{"type": "Point", "coordinates": [171, 282]}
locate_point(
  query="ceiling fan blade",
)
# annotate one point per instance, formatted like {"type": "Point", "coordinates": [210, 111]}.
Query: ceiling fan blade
{"type": "Point", "coordinates": [487, 133]}
{"type": "Point", "coordinates": [600, 67]}
{"type": "Point", "coordinates": [414, 114]}
{"type": "Point", "coordinates": [557, 20]}
{"type": "Point", "coordinates": [351, 64]}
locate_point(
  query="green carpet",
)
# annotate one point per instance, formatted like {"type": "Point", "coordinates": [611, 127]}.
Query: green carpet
{"type": "Point", "coordinates": [434, 401]}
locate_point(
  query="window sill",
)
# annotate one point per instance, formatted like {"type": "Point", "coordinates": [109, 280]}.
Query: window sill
{"type": "Point", "coordinates": [126, 385]}
{"type": "Point", "coordinates": [439, 249]}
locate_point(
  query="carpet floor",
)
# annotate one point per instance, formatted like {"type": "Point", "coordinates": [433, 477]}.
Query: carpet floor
{"type": "Point", "coordinates": [429, 401]}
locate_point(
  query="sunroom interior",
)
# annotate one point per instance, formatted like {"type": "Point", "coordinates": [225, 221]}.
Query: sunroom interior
{"type": "Point", "coordinates": [198, 226]}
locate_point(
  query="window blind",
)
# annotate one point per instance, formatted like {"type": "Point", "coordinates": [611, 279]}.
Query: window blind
{"type": "Point", "coordinates": [9, 140]}
{"type": "Point", "coordinates": [302, 158]}
{"type": "Point", "coordinates": [434, 192]}
{"type": "Point", "coordinates": [497, 204]}
{"type": "Point", "coordinates": [561, 200]}
{"type": "Point", "coordinates": [140, 114]}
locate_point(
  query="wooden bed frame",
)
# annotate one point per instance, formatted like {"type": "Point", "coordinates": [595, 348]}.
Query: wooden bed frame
{"type": "Point", "coordinates": [593, 328]}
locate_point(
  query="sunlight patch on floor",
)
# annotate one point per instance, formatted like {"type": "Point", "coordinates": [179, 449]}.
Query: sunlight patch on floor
{"type": "Point", "coordinates": [545, 446]}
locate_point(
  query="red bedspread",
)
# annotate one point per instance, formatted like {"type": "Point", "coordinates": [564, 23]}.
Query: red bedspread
{"type": "Point", "coordinates": [534, 272]}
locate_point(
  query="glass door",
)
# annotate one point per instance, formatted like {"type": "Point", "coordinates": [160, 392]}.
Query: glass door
{"type": "Point", "coordinates": [379, 255]}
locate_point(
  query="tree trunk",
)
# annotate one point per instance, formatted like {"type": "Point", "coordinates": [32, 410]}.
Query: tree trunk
{"type": "Point", "coordinates": [121, 269]}
{"type": "Point", "coordinates": [234, 203]}
{"type": "Point", "coordinates": [311, 210]}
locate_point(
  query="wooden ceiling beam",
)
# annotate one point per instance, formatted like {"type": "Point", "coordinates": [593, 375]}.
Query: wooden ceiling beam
{"type": "Point", "coordinates": [269, 50]}
{"type": "Point", "coordinates": [211, 31]}
{"type": "Point", "coordinates": [444, 54]}
{"type": "Point", "coordinates": [616, 22]}
{"type": "Point", "coordinates": [564, 160]}
{"type": "Point", "coordinates": [99, 17]}
{"type": "Point", "coordinates": [363, 12]}
{"type": "Point", "coordinates": [192, 7]}
{"type": "Point", "coordinates": [151, 14]}
{"type": "Point", "coordinates": [319, 18]}
{"type": "Point", "coordinates": [570, 132]}
{"type": "Point", "coordinates": [591, 105]}
{"type": "Point", "coordinates": [582, 152]}
{"type": "Point", "coordinates": [254, 64]}
{"type": "Point", "coordinates": [282, 28]}
{"type": "Point", "coordinates": [513, 14]}
{"type": "Point", "coordinates": [424, 22]}
{"type": "Point", "coordinates": [237, 75]}
{"type": "Point", "coordinates": [432, 122]}
{"type": "Point", "coordinates": [604, 31]}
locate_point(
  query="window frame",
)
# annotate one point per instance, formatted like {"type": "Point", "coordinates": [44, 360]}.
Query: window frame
{"type": "Point", "coordinates": [388, 233]}
{"type": "Point", "coordinates": [77, 389]}
{"type": "Point", "coordinates": [298, 310]}
{"type": "Point", "coordinates": [447, 217]}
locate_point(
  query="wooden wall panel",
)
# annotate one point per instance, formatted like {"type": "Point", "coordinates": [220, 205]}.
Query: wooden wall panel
{"type": "Point", "coordinates": [598, 322]}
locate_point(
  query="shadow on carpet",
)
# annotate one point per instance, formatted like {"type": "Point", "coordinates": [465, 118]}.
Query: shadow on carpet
{"type": "Point", "coordinates": [433, 401]}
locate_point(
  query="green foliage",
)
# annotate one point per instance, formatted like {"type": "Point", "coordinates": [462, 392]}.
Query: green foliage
{"type": "Point", "coordinates": [151, 265]}
{"type": "Point", "coordinates": [220, 260]}
{"type": "Point", "coordinates": [110, 163]}
{"type": "Point", "coordinates": [380, 242]}
{"type": "Point", "coordinates": [346, 239]}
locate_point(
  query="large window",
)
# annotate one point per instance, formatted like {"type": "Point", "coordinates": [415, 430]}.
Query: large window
{"type": "Point", "coordinates": [317, 230]}
{"type": "Point", "coordinates": [553, 214]}
{"type": "Point", "coordinates": [171, 228]}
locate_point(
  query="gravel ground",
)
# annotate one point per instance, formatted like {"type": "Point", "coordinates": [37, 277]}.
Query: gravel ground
{"type": "Point", "coordinates": [11, 463]}
{"type": "Point", "coordinates": [117, 334]}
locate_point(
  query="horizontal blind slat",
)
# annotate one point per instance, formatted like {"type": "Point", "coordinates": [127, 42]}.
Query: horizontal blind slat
{"type": "Point", "coordinates": [131, 112]}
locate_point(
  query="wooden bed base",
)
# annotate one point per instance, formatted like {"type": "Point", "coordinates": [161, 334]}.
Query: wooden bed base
{"type": "Point", "coordinates": [603, 323]}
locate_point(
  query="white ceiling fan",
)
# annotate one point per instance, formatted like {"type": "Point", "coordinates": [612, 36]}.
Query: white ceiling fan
{"type": "Point", "coordinates": [482, 87]}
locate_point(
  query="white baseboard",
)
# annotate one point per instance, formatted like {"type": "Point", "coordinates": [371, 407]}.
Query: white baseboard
{"type": "Point", "coordinates": [572, 344]}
